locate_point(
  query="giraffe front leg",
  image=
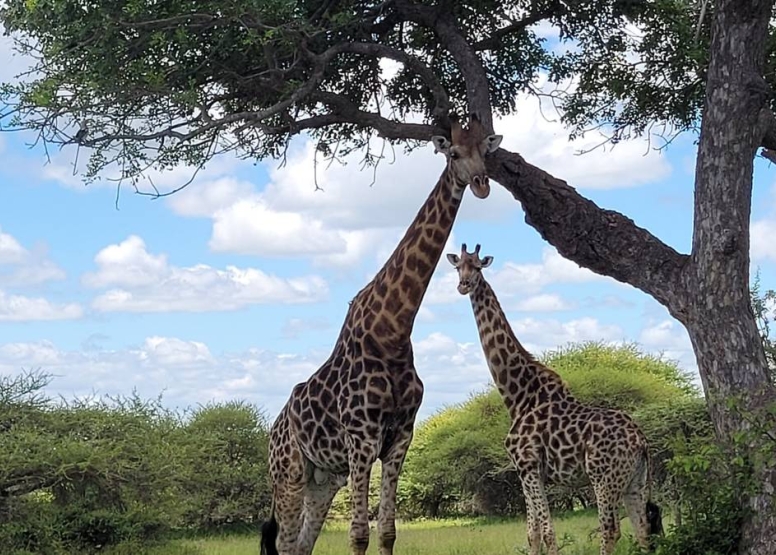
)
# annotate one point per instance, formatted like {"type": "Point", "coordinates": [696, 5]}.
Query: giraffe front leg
{"type": "Point", "coordinates": [392, 464]}
{"type": "Point", "coordinates": [540, 522]}
{"type": "Point", "coordinates": [362, 456]}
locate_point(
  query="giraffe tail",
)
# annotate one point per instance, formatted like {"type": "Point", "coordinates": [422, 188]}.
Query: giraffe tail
{"type": "Point", "coordinates": [269, 534]}
{"type": "Point", "coordinates": [654, 513]}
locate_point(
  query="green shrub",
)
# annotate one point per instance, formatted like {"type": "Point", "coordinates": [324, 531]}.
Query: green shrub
{"type": "Point", "coordinates": [225, 467]}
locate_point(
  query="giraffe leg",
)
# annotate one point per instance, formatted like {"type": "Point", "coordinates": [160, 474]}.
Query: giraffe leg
{"type": "Point", "coordinates": [533, 487]}
{"type": "Point", "coordinates": [392, 464]}
{"type": "Point", "coordinates": [287, 469]}
{"type": "Point", "coordinates": [318, 497]}
{"type": "Point", "coordinates": [362, 455]}
{"type": "Point", "coordinates": [635, 498]}
{"type": "Point", "coordinates": [289, 504]}
{"type": "Point", "coordinates": [608, 519]}
{"type": "Point", "coordinates": [532, 524]}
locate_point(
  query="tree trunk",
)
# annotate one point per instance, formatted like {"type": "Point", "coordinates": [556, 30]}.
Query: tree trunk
{"type": "Point", "coordinates": [719, 319]}
{"type": "Point", "coordinates": [708, 291]}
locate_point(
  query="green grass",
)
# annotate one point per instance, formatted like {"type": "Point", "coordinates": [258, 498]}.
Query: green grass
{"type": "Point", "coordinates": [461, 537]}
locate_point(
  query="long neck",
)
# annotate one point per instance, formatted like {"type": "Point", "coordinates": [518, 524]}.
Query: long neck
{"type": "Point", "coordinates": [522, 381]}
{"type": "Point", "coordinates": [398, 288]}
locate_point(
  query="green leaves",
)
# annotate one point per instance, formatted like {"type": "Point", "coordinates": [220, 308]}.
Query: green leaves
{"type": "Point", "coordinates": [136, 69]}
{"type": "Point", "coordinates": [84, 473]}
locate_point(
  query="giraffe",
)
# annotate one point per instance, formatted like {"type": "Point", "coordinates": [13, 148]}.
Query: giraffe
{"type": "Point", "coordinates": [360, 405]}
{"type": "Point", "coordinates": [556, 439]}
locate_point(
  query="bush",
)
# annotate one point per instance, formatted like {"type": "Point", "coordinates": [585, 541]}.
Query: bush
{"type": "Point", "coordinates": [225, 467]}
{"type": "Point", "coordinates": [86, 474]}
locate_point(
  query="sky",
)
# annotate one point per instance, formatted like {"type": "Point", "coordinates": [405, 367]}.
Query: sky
{"type": "Point", "coordinates": [236, 287]}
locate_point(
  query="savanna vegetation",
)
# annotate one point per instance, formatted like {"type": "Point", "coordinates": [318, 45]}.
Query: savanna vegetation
{"type": "Point", "coordinates": [126, 475]}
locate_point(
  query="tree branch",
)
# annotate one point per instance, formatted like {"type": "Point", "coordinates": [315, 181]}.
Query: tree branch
{"type": "Point", "coordinates": [604, 241]}
{"type": "Point", "coordinates": [442, 22]}
{"type": "Point", "coordinates": [442, 102]}
{"type": "Point", "coordinates": [494, 40]}
{"type": "Point", "coordinates": [347, 111]}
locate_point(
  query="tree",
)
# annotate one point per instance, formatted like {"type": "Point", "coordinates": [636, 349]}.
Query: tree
{"type": "Point", "coordinates": [763, 305]}
{"type": "Point", "coordinates": [225, 460]}
{"type": "Point", "coordinates": [155, 84]}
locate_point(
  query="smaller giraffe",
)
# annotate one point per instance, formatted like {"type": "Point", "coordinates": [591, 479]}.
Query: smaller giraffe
{"type": "Point", "coordinates": [556, 439]}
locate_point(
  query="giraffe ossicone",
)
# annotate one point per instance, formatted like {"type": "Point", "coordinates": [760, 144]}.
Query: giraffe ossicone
{"type": "Point", "coordinates": [361, 404]}
{"type": "Point", "coordinates": [556, 439]}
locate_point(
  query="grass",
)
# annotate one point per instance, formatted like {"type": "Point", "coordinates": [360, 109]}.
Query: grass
{"type": "Point", "coordinates": [447, 537]}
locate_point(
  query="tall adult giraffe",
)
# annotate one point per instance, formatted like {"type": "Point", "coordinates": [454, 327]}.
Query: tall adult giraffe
{"type": "Point", "coordinates": [556, 439]}
{"type": "Point", "coordinates": [361, 404]}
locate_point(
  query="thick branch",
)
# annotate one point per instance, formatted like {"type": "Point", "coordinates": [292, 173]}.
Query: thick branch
{"type": "Point", "coordinates": [442, 22]}
{"type": "Point", "coordinates": [442, 102]}
{"type": "Point", "coordinates": [494, 40]}
{"type": "Point", "coordinates": [602, 240]}
{"type": "Point", "coordinates": [348, 112]}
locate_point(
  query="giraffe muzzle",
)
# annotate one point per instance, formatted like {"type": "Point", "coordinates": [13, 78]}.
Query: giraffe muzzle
{"type": "Point", "coordinates": [480, 186]}
{"type": "Point", "coordinates": [464, 287]}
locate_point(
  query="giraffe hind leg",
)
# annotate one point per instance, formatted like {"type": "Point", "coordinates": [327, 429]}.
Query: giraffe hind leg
{"type": "Point", "coordinates": [608, 503]}
{"type": "Point", "coordinates": [635, 499]}
{"type": "Point", "coordinates": [361, 456]}
{"type": "Point", "coordinates": [392, 463]}
{"type": "Point", "coordinates": [318, 497]}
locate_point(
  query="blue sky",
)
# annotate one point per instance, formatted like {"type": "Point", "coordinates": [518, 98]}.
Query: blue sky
{"type": "Point", "coordinates": [236, 287]}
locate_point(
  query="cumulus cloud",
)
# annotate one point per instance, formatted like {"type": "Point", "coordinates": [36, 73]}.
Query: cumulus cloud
{"type": "Point", "coordinates": [334, 214]}
{"type": "Point", "coordinates": [145, 282]}
{"type": "Point", "coordinates": [293, 328]}
{"type": "Point", "coordinates": [186, 372]}
{"type": "Point", "coordinates": [670, 338]}
{"type": "Point", "coordinates": [18, 308]}
{"type": "Point", "coordinates": [20, 266]}
{"type": "Point", "coordinates": [550, 333]}
{"type": "Point", "coordinates": [544, 302]}
{"type": "Point", "coordinates": [514, 279]}
{"type": "Point", "coordinates": [763, 246]}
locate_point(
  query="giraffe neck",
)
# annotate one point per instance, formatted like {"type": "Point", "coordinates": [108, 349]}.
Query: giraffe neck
{"type": "Point", "coordinates": [522, 381]}
{"type": "Point", "coordinates": [396, 292]}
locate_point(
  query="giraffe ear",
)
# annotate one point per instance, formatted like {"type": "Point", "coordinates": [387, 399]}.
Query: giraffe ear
{"type": "Point", "coordinates": [492, 142]}
{"type": "Point", "coordinates": [487, 261]}
{"type": "Point", "coordinates": [454, 259]}
{"type": "Point", "coordinates": [441, 144]}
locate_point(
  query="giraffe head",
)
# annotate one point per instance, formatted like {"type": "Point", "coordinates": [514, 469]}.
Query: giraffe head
{"type": "Point", "coordinates": [465, 153]}
{"type": "Point", "coordinates": [469, 266]}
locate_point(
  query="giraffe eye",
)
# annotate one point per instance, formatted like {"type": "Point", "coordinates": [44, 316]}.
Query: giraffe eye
{"type": "Point", "coordinates": [454, 155]}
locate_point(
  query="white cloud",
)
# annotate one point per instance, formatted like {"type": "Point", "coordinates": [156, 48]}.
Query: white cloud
{"type": "Point", "coordinates": [22, 267]}
{"type": "Point", "coordinates": [11, 252]}
{"type": "Point", "coordinates": [13, 62]}
{"type": "Point", "coordinates": [514, 279]}
{"type": "Point", "coordinates": [670, 338]}
{"type": "Point", "coordinates": [548, 334]}
{"type": "Point", "coordinates": [544, 302]}
{"type": "Point", "coordinates": [126, 264]}
{"type": "Point", "coordinates": [18, 308]}
{"type": "Point", "coordinates": [763, 245]}
{"type": "Point", "coordinates": [144, 282]}
{"type": "Point", "coordinates": [295, 327]}
{"type": "Point", "coordinates": [185, 371]}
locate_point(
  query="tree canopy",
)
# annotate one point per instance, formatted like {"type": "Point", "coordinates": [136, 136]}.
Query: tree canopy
{"type": "Point", "coordinates": [154, 84]}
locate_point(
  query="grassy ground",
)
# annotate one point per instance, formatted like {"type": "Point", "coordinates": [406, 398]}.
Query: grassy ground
{"type": "Point", "coordinates": [429, 538]}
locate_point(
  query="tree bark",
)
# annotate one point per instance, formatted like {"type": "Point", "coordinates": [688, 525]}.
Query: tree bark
{"type": "Point", "coordinates": [708, 291]}
{"type": "Point", "coordinates": [720, 321]}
